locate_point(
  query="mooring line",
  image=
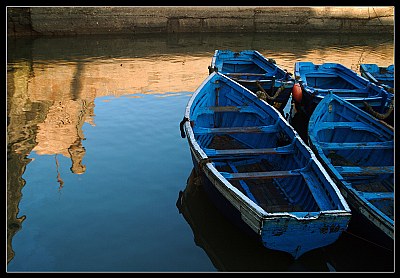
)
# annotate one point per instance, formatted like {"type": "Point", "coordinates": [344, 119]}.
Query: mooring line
{"type": "Point", "coordinates": [379, 18]}
{"type": "Point", "coordinates": [369, 241]}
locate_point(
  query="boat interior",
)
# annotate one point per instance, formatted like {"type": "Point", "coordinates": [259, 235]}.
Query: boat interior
{"type": "Point", "coordinates": [361, 152]}
{"type": "Point", "coordinates": [258, 152]}
{"type": "Point", "coordinates": [334, 77]}
{"type": "Point", "coordinates": [328, 81]}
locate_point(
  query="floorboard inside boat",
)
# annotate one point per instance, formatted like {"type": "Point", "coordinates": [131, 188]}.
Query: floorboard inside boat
{"type": "Point", "coordinates": [367, 185]}
{"type": "Point", "coordinates": [225, 142]}
{"type": "Point", "coordinates": [338, 160]}
{"type": "Point", "coordinates": [267, 193]}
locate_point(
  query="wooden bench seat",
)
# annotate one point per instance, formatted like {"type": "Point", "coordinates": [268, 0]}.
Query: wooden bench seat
{"type": "Point", "coordinates": [229, 130]}
{"type": "Point", "coordinates": [364, 171]}
{"type": "Point", "coordinates": [213, 153]}
{"type": "Point", "coordinates": [378, 195]}
{"type": "Point", "coordinates": [357, 145]}
{"type": "Point", "coordinates": [261, 175]}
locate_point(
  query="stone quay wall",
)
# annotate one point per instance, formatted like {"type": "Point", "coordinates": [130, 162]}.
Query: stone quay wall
{"type": "Point", "coordinates": [50, 21]}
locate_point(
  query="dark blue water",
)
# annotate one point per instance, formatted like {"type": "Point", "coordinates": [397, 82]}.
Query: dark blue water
{"type": "Point", "coordinates": [119, 215]}
{"type": "Point", "coordinates": [95, 161]}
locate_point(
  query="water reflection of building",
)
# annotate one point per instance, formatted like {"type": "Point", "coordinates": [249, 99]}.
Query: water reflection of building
{"type": "Point", "coordinates": [22, 119]}
{"type": "Point", "coordinates": [44, 114]}
{"type": "Point", "coordinates": [70, 107]}
{"type": "Point", "coordinates": [61, 132]}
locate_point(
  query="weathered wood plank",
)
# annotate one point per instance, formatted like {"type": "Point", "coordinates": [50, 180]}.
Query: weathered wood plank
{"type": "Point", "coordinates": [364, 171]}
{"type": "Point", "coordinates": [357, 145]}
{"type": "Point", "coordinates": [222, 109]}
{"type": "Point", "coordinates": [249, 81]}
{"type": "Point", "coordinates": [261, 175]}
{"type": "Point", "coordinates": [244, 185]}
{"type": "Point", "coordinates": [213, 153]}
{"type": "Point", "coordinates": [228, 130]}
{"type": "Point", "coordinates": [378, 195]}
{"type": "Point", "coordinates": [244, 74]}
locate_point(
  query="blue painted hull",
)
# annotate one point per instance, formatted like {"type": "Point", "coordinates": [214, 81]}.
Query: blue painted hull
{"type": "Point", "coordinates": [383, 76]}
{"type": "Point", "coordinates": [318, 80]}
{"type": "Point", "coordinates": [358, 152]}
{"type": "Point", "coordinates": [258, 171]}
{"type": "Point", "coordinates": [256, 73]}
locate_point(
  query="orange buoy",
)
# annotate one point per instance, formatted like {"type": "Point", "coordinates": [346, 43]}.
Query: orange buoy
{"type": "Point", "coordinates": [297, 92]}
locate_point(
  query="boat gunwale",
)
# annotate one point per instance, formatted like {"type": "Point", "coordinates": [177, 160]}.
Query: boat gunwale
{"type": "Point", "coordinates": [214, 174]}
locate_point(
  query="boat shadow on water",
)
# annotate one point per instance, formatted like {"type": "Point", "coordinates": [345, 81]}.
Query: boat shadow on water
{"type": "Point", "coordinates": [231, 250]}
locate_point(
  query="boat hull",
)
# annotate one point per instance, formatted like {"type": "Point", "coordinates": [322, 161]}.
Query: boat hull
{"type": "Point", "coordinates": [358, 152]}
{"type": "Point", "coordinates": [292, 207]}
{"type": "Point", "coordinates": [256, 73]}
{"type": "Point", "coordinates": [317, 81]}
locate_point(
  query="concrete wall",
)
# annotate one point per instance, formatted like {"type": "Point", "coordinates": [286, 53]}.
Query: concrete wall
{"type": "Point", "coordinates": [131, 20]}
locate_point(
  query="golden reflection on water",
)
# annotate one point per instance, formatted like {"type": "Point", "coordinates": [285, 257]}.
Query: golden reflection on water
{"type": "Point", "coordinates": [152, 75]}
{"type": "Point", "coordinates": [49, 99]}
{"type": "Point", "coordinates": [66, 90]}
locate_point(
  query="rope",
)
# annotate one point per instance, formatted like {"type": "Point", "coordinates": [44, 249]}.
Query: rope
{"type": "Point", "coordinates": [390, 90]}
{"type": "Point", "coordinates": [377, 114]}
{"type": "Point", "coordinates": [386, 87]}
{"type": "Point", "coordinates": [383, 247]}
{"type": "Point", "coordinates": [379, 18]}
{"type": "Point", "coordinates": [263, 94]}
{"type": "Point", "coordinates": [212, 69]}
{"type": "Point", "coordinates": [204, 161]}
{"type": "Point", "coordinates": [185, 119]}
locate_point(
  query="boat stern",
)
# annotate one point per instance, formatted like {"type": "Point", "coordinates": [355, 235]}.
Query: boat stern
{"type": "Point", "coordinates": [298, 235]}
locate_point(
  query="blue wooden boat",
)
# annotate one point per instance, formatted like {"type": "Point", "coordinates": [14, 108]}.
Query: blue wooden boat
{"type": "Point", "coordinates": [317, 80]}
{"type": "Point", "coordinates": [257, 73]}
{"type": "Point", "coordinates": [258, 171]}
{"type": "Point", "coordinates": [358, 152]}
{"type": "Point", "coordinates": [383, 76]}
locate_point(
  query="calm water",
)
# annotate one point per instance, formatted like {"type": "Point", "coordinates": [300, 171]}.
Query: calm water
{"type": "Point", "coordinates": [95, 161]}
